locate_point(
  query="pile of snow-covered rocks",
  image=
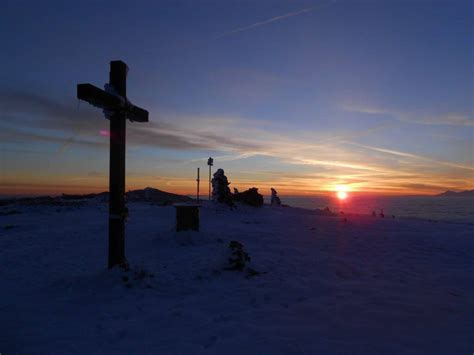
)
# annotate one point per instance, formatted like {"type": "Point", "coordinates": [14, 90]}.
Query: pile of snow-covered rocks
{"type": "Point", "coordinates": [220, 188]}
{"type": "Point", "coordinates": [221, 193]}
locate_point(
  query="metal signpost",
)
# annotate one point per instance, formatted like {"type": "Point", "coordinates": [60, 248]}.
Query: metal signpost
{"type": "Point", "coordinates": [210, 162]}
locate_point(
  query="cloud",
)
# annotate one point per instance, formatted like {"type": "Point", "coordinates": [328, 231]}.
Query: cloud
{"type": "Point", "coordinates": [30, 117]}
{"type": "Point", "coordinates": [316, 161]}
{"type": "Point", "coordinates": [419, 117]}
{"type": "Point", "coordinates": [18, 135]}
{"type": "Point", "coordinates": [413, 156]}
{"type": "Point", "coordinates": [332, 163]}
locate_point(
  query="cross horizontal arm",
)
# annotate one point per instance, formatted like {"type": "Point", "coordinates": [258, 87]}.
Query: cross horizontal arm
{"type": "Point", "coordinates": [98, 97]}
{"type": "Point", "coordinates": [137, 114]}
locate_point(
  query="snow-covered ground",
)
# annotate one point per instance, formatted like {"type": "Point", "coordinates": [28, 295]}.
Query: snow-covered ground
{"type": "Point", "coordinates": [362, 286]}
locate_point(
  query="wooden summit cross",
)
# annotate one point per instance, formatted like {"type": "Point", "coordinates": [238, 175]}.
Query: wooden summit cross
{"type": "Point", "coordinates": [113, 100]}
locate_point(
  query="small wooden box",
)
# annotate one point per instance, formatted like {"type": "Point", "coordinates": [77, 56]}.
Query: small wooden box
{"type": "Point", "coordinates": [187, 216]}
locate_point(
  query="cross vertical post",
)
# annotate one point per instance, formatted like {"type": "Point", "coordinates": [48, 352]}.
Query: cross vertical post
{"type": "Point", "coordinates": [117, 214]}
{"type": "Point", "coordinates": [117, 108]}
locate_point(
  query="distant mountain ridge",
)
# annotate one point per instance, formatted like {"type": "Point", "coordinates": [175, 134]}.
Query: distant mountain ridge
{"type": "Point", "coordinates": [147, 194]}
{"type": "Point", "coordinates": [154, 195]}
{"type": "Point", "coordinates": [466, 193]}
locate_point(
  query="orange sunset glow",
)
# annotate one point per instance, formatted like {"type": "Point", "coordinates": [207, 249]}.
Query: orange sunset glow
{"type": "Point", "coordinates": [296, 117]}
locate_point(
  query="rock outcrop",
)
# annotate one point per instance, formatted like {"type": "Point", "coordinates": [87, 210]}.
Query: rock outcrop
{"type": "Point", "coordinates": [220, 188]}
{"type": "Point", "coordinates": [250, 197]}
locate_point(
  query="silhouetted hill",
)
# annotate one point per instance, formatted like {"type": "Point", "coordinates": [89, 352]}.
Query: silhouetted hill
{"type": "Point", "coordinates": [467, 193]}
{"type": "Point", "coordinates": [157, 196]}
{"type": "Point", "coordinates": [148, 194]}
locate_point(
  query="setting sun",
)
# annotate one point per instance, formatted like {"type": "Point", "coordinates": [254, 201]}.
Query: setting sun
{"type": "Point", "coordinates": [341, 191]}
{"type": "Point", "coordinates": [341, 195]}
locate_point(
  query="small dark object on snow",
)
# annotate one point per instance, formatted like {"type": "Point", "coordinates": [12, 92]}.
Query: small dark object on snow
{"type": "Point", "coordinates": [137, 277]}
{"type": "Point", "coordinates": [250, 197]}
{"type": "Point", "coordinates": [238, 258]}
{"type": "Point", "coordinates": [140, 274]}
{"type": "Point", "coordinates": [382, 214]}
{"type": "Point", "coordinates": [124, 265]}
{"type": "Point", "coordinates": [252, 272]}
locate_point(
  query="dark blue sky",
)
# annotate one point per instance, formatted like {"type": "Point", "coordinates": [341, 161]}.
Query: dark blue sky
{"type": "Point", "coordinates": [304, 95]}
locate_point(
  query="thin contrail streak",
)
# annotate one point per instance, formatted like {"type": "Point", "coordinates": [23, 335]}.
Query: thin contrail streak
{"type": "Point", "coordinates": [263, 23]}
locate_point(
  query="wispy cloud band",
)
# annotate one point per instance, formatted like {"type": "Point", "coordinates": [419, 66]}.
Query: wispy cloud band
{"type": "Point", "coordinates": [323, 161]}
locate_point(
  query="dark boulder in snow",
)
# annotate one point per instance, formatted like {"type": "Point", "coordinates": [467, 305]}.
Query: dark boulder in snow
{"type": "Point", "coordinates": [250, 197]}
